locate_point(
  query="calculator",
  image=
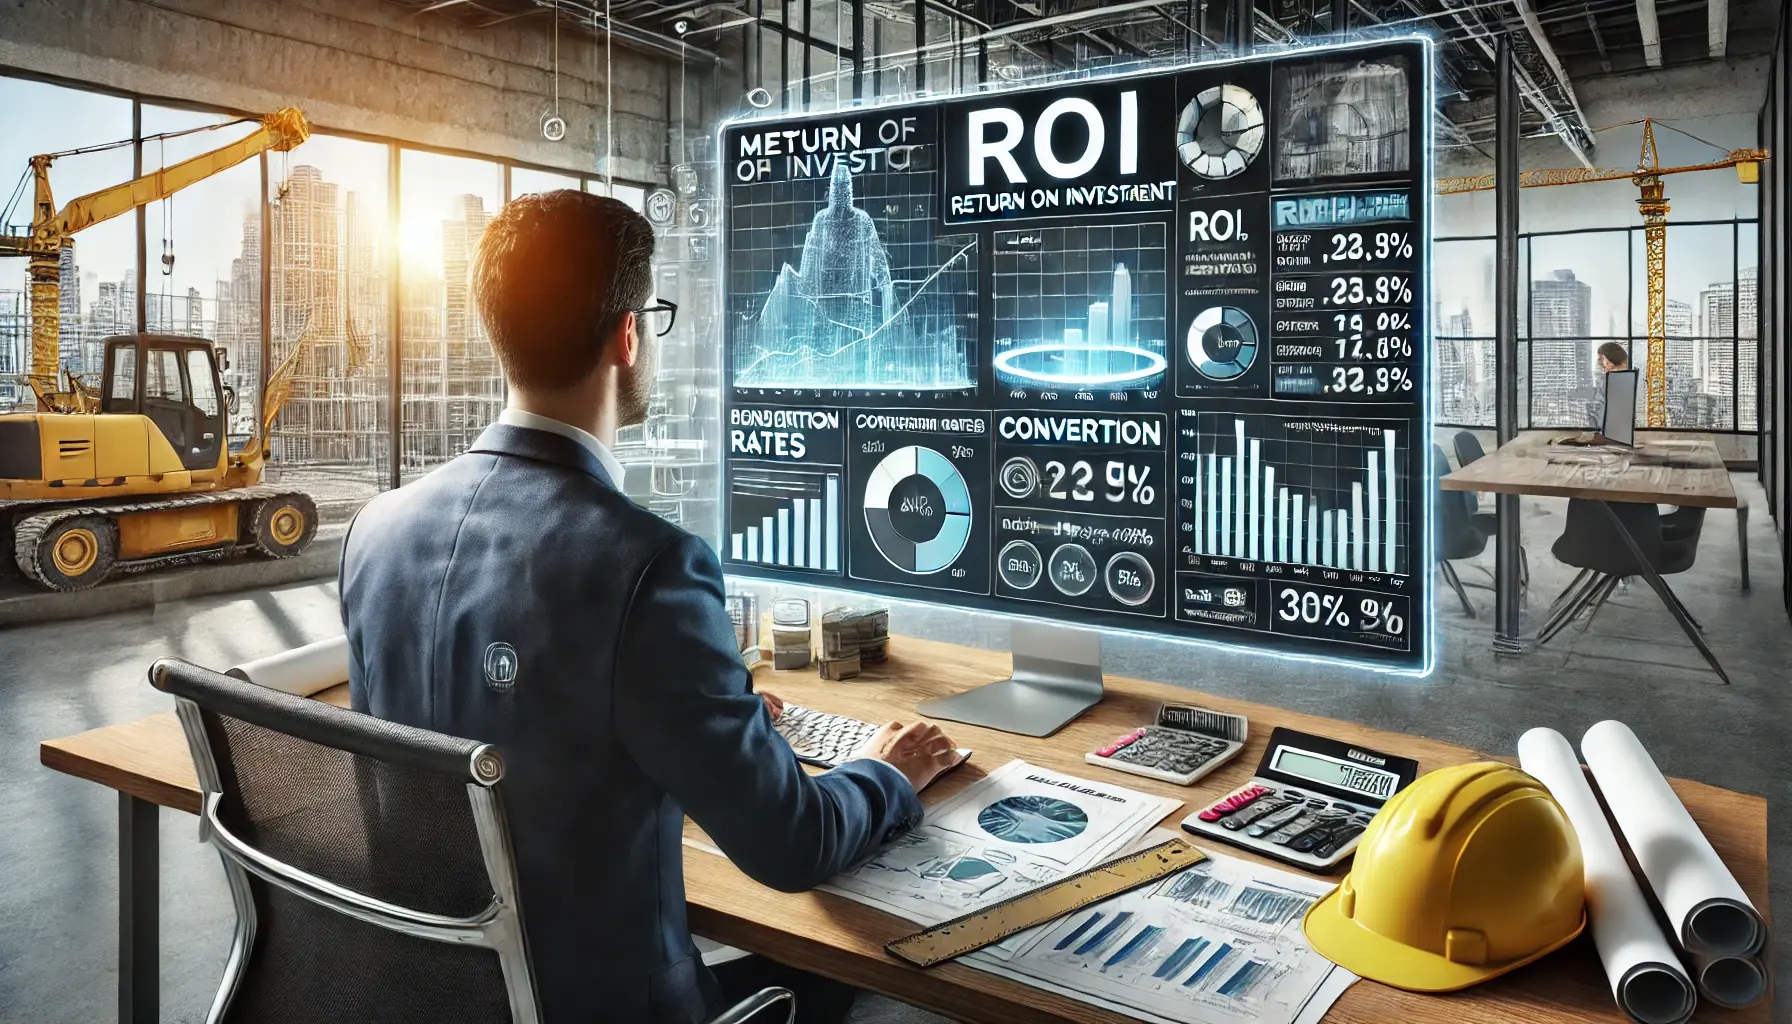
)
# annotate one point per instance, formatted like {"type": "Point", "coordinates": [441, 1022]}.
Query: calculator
{"type": "Point", "coordinates": [1309, 802]}
{"type": "Point", "coordinates": [1185, 744]}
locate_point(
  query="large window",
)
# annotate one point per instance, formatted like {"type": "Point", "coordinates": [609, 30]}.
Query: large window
{"type": "Point", "coordinates": [452, 385]}
{"type": "Point", "coordinates": [1580, 290]}
{"type": "Point", "coordinates": [329, 230]}
{"type": "Point", "coordinates": [204, 251]}
{"type": "Point", "coordinates": [98, 279]}
{"type": "Point", "coordinates": [330, 252]}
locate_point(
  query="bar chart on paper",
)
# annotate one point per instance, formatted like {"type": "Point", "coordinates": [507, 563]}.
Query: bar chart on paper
{"type": "Point", "coordinates": [1302, 491]}
{"type": "Point", "coordinates": [785, 516]}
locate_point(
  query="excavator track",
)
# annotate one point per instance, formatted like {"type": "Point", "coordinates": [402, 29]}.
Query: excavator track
{"type": "Point", "coordinates": [29, 529]}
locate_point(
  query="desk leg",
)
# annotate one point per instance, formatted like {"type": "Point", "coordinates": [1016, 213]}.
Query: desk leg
{"type": "Point", "coordinates": [1660, 586]}
{"type": "Point", "coordinates": [139, 912]}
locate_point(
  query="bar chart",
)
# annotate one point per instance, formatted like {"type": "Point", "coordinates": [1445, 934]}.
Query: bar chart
{"type": "Point", "coordinates": [1329, 493]}
{"type": "Point", "coordinates": [785, 517]}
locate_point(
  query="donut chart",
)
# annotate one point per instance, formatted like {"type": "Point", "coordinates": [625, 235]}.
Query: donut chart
{"type": "Point", "coordinates": [1222, 343]}
{"type": "Point", "coordinates": [1220, 132]}
{"type": "Point", "coordinates": [918, 510]}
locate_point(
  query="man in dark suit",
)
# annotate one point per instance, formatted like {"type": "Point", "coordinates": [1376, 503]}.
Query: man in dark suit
{"type": "Point", "coordinates": [516, 596]}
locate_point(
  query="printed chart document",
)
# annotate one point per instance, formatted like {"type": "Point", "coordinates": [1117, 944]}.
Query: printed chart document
{"type": "Point", "coordinates": [1020, 827]}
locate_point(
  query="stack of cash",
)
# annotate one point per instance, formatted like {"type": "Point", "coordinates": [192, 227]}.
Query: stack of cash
{"type": "Point", "coordinates": [790, 634]}
{"type": "Point", "coordinates": [840, 668]}
{"type": "Point", "coordinates": [852, 638]}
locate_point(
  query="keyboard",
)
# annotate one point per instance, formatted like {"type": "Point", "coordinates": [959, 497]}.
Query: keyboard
{"type": "Point", "coordinates": [828, 740]}
{"type": "Point", "coordinates": [820, 738]}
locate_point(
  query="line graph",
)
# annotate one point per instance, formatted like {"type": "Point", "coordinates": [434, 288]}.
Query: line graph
{"type": "Point", "coordinates": [866, 298]}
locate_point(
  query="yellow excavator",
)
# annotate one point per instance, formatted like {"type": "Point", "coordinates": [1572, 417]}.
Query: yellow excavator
{"type": "Point", "coordinates": [138, 473]}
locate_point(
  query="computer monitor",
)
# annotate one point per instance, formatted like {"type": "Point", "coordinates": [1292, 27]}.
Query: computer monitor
{"type": "Point", "coordinates": [1619, 423]}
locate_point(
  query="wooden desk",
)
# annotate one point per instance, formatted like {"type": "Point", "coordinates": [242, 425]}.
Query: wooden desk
{"type": "Point", "coordinates": [1693, 476]}
{"type": "Point", "coordinates": [1523, 466]}
{"type": "Point", "coordinates": [147, 761]}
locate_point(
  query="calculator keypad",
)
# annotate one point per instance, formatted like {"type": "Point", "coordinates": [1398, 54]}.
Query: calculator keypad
{"type": "Point", "coordinates": [1175, 751]}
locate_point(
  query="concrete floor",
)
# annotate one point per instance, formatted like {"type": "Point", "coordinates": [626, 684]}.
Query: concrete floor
{"type": "Point", "coordinates": [58, 886]}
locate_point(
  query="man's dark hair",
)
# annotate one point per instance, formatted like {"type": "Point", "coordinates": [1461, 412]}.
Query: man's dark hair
{"type": "Point", "coordinates": [556, 272]}
{"type": "Point", "coordinates": [1616, 354]}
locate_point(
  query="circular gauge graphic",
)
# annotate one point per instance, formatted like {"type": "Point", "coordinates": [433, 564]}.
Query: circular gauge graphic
{"type": "Point", "coordinates": [918, 510]}
{"type": "Point", "coordinates": [1130, 579]}
{"type": "Point", "coordinates": [1073, 569]}
{"type": "Point", "coordinates": [1033, 819]}
{"type": "Point", "coordinates": [1221, 132]}
{"type": "Point", "coordinates": [1020, 564]}
{"type": "Point", "coordinates": [1019, 476]}
{"type": "Point", "coordinates": [1222, 342]}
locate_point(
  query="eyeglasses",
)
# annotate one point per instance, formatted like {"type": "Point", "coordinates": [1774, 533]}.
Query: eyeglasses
{"type": "Point", "coordinates": [657, 319]}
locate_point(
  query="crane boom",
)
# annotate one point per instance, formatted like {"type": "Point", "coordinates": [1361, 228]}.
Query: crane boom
{"type": "Point", "coordinates": [51, 228]}
{"type": "Point", "coordinates": [1583, 175]}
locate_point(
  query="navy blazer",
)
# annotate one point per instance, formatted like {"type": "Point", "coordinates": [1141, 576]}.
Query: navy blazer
{"type": "Point", "coordinates": [514, 596]}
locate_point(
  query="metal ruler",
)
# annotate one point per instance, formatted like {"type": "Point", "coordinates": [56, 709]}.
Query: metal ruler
{"type": "Point", "coordinates": [1035, 907]}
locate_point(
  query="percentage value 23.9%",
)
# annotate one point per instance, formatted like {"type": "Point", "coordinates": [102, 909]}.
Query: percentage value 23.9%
{"type": "Point", "coordinates": [1380, 290]}
{"type": "Point", "coordinates": [1353, 246]}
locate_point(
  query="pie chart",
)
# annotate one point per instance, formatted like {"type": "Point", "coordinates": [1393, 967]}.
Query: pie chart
{"type": "Point", "coordinates": [1222, 342]}
{"type": "Point", "coordinates": [1033, 819]}
{"type": "Point", "coordinates": [918, 510]}
{"type": "Point", "coordinates": [1220, 132]}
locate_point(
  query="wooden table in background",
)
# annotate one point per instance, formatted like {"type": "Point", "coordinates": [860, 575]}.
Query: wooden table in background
{"type": "Point", "coordinates": [147, 762]}
{"type": "Point", "coordinates": [1692, 476]}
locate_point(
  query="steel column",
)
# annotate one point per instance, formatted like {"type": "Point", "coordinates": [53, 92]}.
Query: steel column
{"type": "Point", "coordinates": [1244, 20]}
{"type": "Point", "coordinates": [1340, 16]}
{"type": "Point", "coordinates": [858, 49]}
{"type": "Point", "coordinates": [1505, 195]}
{"type": "Point", "coordinates": [920, 45]}
{"type": "Point", "coordinates": [808, 50]}
{"type": "Point", "coordinates": [394, 325]}
{"type": "Point", "coordinates": [264, 429]}
{"type": "Point", "coordinates": [141, 298]}
{"type": "Point", "coordinates": [139, 912]}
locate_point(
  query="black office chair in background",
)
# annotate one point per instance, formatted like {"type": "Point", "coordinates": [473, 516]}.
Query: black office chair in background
{"type": "Point", "coordinates": [369, 862]}
{"type": "Point", "coordinates": [1457, 535]}
{"type": "Point", "coordinates": [1468, 449]}
{"type": "Point", "coordinates": [1594, 541]}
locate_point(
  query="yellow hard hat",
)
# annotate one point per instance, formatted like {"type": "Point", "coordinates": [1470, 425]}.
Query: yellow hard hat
{"type": "Point", "coordinates": [1470, 872]}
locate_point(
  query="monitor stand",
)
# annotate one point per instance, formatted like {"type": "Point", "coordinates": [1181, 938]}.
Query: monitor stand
{"type": "Point", "coordinates": [1056, 677]}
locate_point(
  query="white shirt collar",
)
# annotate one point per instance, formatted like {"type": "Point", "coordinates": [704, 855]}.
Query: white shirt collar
{"type": "Point", "coordinates": [532, 421]}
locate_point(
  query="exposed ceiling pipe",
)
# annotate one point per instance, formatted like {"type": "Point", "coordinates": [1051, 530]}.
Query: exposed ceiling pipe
{"type": "Point", "coordinates": [1574, 136]}
{"type": "Point", "coordinates": [1540, 39]}
{"type": "Point", "coordinates": [1651, 29]}
{"type": "Point", "coordinates": [1717, 27]}
{"type": "Point", "coordinates": [641, 38]}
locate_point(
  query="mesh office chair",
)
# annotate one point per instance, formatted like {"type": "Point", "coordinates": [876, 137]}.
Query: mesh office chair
{"type": "Point", "coordinates": [1468, 449]}
{"type": "Point", "coordinates": [1590, 542]}
{"type": "Point", "coordinates": [369, 862]}
{"type": "Point", "coordinates": [1457, 535]}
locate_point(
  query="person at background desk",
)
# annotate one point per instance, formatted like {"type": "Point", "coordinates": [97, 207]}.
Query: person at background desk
{"type": "Point", "coordinates": [518, 597]}
{"type": "Point", "coordinates": [1611, 356]}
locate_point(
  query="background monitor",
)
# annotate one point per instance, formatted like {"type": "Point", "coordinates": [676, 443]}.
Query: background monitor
{"type": "Point", "coordinates": [1619, 424]}
{"type": "Point", "coordinates": [1050, 353]}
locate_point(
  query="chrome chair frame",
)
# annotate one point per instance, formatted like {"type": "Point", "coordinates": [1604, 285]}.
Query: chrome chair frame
{"type": "Point", "coordinates": [498, 927]}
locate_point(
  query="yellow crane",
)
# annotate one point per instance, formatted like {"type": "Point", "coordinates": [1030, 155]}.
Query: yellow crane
{"type": "Point", "coordinates": [1653, 205]}
{"type": "Point", "coordinates": [53, 228]}
{"type": "Point", "coordinates": [139, 473]}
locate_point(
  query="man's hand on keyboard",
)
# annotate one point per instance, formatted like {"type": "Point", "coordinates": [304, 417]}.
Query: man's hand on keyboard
{"type": "Point", "coordinates": [919, 751]}
{"type": "Point", "coordinates": [773, 704]}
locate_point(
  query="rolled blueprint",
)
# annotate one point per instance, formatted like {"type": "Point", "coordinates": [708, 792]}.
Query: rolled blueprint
{"type": "Point", "coordinates": [1645, 974]}
{"type": "Point", "coordinates": [1710, 913]}
{"type": "Point", "coordinates": [1730, 981]}
{"type": "Point", "coordinates": [302, 671]}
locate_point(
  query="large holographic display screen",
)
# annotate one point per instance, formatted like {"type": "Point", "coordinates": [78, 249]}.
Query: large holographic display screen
{"type": "Point", "coordinates": [1144, 352]}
